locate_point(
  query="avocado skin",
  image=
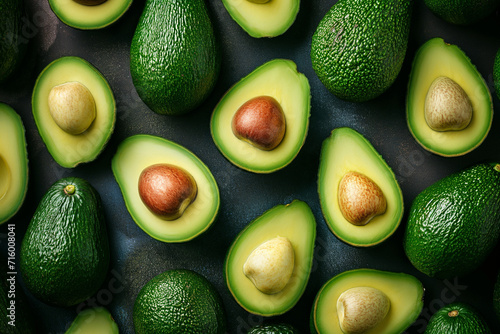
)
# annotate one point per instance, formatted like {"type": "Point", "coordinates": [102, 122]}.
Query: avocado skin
{"type": "Point", "coordinates": [12, 45]}
{"type": "Point", "coordinates": [64, 254]}
{"type": "Point", "coordinates": [468, 321]}
{"type": "Point", "coordinates": [280, 328]}
{"type": "Point", "coordinates": [462, 12]}
{"type": "Point", "coordinates": [496, 296]}
{"type": "Point", "coordinates": [359, 46]}
{"type": "Point", "coordinates": [455, 223]}
{"type": "Point", "coordinates": [179, 301]}
{"type": "Point", "coordinates": [496, 74]}
{"type": "Point", "coordinates": [174, 56]}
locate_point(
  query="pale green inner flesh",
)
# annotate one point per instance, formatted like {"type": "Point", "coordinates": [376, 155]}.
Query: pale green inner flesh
{"type": "Point", "coordinates": [404, 292]}
{"type": "Point", "coordinates": [278, 79]}
{"type": "Point", "coordinates": [346, 151]}
{"type": "Point", "coordinates": [93, 321]}
{"type": "Point", "coordinates": [91, 17]}
{"type": "Point", "coordinates": [295, 222]}
{"type": "Point", "coordinates": [69, 150]}
{"type": "Point", "coordinates": [13, 163]}
{"type": "Point", "coordinates": [435, 59]}
{"type": "Point", "coordinates": [269, 19]}
{"type": "Point", "coordinates": [141, 151]}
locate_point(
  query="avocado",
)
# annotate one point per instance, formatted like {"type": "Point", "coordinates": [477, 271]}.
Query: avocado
{"type": "Point", "coordinates": [403, 291]}
{"type": "Point", "coordinates": [95, 320]}
{"type": "Point", "coordinates": [13, 163]}
{"type": "Point", "coordinates": [436, 60]}
{"type": "Point", "coordinates": [73, 84]}
{"type": "Point", "coordinates": [457, 318]}
{"type": "Point", "coordinates": [463, 12]}
{"type": "Point", "coordinates": [64, 254]}
{"type": "Point", "coordinates": [496, 73]}
{"type": "Point", "coordinates": [89, 14]}
{"type": "Point", "coordinates": [454, 223]}
{"type": "Point", "coordinates": [138, 152]}
{"type": "Point", "coordinates": [268, 264]}
{"type": "Point", "coordinates": [359, 46]}
{"type": "Point", "coordinates": [278, 328]}
{"type": "Point", "coordinates": [175, 57]}
{"type": "Point", "coordinates": [263, 18]}
{"type": "Point", "coordinates": [277, 79]}
{"type": "Point", "coordinates": [348, 159]}
{"type": "Point", "coordinates": [496, 296]}
{"type": "Point", "coordinates": [179, 301]}
{"type": "Point", "coordinates": [12, 43]}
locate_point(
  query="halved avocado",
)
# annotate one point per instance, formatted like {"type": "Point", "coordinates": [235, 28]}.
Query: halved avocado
{"type": "Point", "coordinates": [433, 60]}
{"type": "Point", "coordinates": [280, 80]}
{"type": "Point", "coordinates": [294, 222]}
{"type": "Point", "coordinates": [89, 14]}
{"type": "Point", "coordinates": [13, 163]}
{"type": "Point", "coordinates": [136, 153]}
{"type": "Point", "coordinates": [404, 291]}
{"type": "Point", "coordinates": [95, 320]}
{"type": "Point", "coordinates": [348, 151]}
{"type": "Point", "coordinates": [263, 18]}
{"type": "Point", "coordinates": [69, 150]}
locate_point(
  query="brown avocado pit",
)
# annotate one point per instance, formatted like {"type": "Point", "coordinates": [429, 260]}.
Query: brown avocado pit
{"type": "Point", "coordinates": [261, 122]}
{"type": "Point", "coordinates": [90, 2]}
{"type": "Point", "coordinates": [167, 190]}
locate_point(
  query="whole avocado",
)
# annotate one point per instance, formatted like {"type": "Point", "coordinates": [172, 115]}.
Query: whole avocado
{"type": "Point", "coordinates": [455, 223]}
{"type": "Point", "coordinates": [496, 74]}
{"type": "Point", "coordinates": [279, 328]}
{"type": "Point", "coordinates": [64, 254]}
{"type": "Point", "coordinates": [174, 56]}
{"type": "Point", "coordinates": [359, 46]}
{"type": "Point", "coordinates": [457, 318]}
{"type": "Point", "coordinates": [462, 12]}
{"type": "Point", "coordinates": [12, 43]}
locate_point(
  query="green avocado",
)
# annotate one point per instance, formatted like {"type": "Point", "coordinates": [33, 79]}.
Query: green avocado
{"type": "Point", "coordinates": [496, 73]}
{"type": "Point", "coordinates": [496, 296]}
{"type": "Point", "coordinates": [281, 238]}
{"type": "Point", "coordinates": [95, 320]}
{"type": "Point", "coordinates": [64, 254]}
{"type": "Point", "coordinates": [174, 57]}
{"type": "Point", "coordinates": [138, 152]}
{"type": "Point", "coordinates": [359, 46]}
{"type": "Point", "coordinates": [13, 163]}
{"type": "Point", "coordinates": [63, 83]}
{"type": "Point", "coordinates": [12, 44]}
{"type": "Point", "coordinates": [455, 223]}
{"type": "Point", "coordinates": [346, 153]}
{"type": "Point", "coordinates": [179, 301]}
{"type": "Point", "coordinates": [89, 14]}
{"type": "Point", "coordinates": [278, 328]}
{"type": "Point", "coordinates": [457, 318]}
{"type": "Point", "coordinates": [280, 80]}
{"type": "Point", "coordinates": [462, 12]}
{"type": "Point", "coordinates": [263, 18]}
{"type": "Point", "coordinates": [434, 62]}
{"type": "Point", "coordinates": [404, 293]}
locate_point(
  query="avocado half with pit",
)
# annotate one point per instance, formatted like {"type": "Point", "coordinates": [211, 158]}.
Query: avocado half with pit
{"type": "Point", "coordinates": [267, 266]}
{"type": "Point", "coordinates": [360, 197]}
{"type": "Point", "coordinates": [449, 108]}
{"type": "Point", "coordinates": [13, 163]}
{"type": "Point", "coordinates": [261, 123]}
{"type": "Point", "coordinates": [147, 169]}
{"type": "Point", "coordinates": [367, 301]}
{"type": "Point", "coordinates": [89, 14]}
{"type": "Point", "coordinates": [263, 18]}
{"type": "Point", "coordinates": [74, 110]}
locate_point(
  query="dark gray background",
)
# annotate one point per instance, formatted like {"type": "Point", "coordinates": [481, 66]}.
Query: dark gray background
{"type": "Point", "coordinates": [136, 257]}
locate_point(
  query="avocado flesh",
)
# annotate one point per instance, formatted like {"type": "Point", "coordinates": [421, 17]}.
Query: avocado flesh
{"type": "Point", "coordinates": [13, 163]}
{"type": "Point", "coordinates": [345, 151]}
{"type": "Point", "coordinates": [404, 291]}
{"type": "Point", "coordinates": [463, 12]}
{"type": "Point", "coordinates": [294, 221]}
{"type": "Point", "coordinates": [279, 79]}
{"type": "Point", "coordinates": [66, 149]}
{"type": "Point", "coordinates": [140, 151]}
{"type": "Point", "coordinates": [456, 318]}
{"type": "Point", "coordinates": [96, 320]}
{"type": "Point", "coordinates": [268, 19]}
{"type": "Point", "coordinates": [87, 17]}
{"type": "Point", "coordinates": [12, 45]}
{"type": "Point", "coordinates": [436, 59]}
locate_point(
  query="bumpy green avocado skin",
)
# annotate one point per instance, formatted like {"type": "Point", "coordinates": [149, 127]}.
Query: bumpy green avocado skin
{"type": "Point", "coordinates": [64, 254]}
{"type": "Point", "coordinates": [457, 318]}
{"type": "Point", "coordinates": [12, 43]}
{"type": "Point", "coordinates": [280, 328]}
{"type": "Point", "coordinates": [462, 12]}
{"type": "Point", "coordinates": [455, 223]}
{"type": "Point", "coordinates": [359, 46]}
{"type": "Point", "coordinates": [174, 55]}
{"type": "Point", "coordinates": [496, 73]}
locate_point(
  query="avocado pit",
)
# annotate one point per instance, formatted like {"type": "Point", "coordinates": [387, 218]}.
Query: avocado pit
{"type": "Point", "coordinates": [90, 2]}
{"type": "Point", "coordinates": [261, 122]}
{"type": "Point", "coordinates": [259, 1]}
{"type": "Point", "coordinates": [167, 190]}
{"type": "Point", "coordinates": [72, 107]}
